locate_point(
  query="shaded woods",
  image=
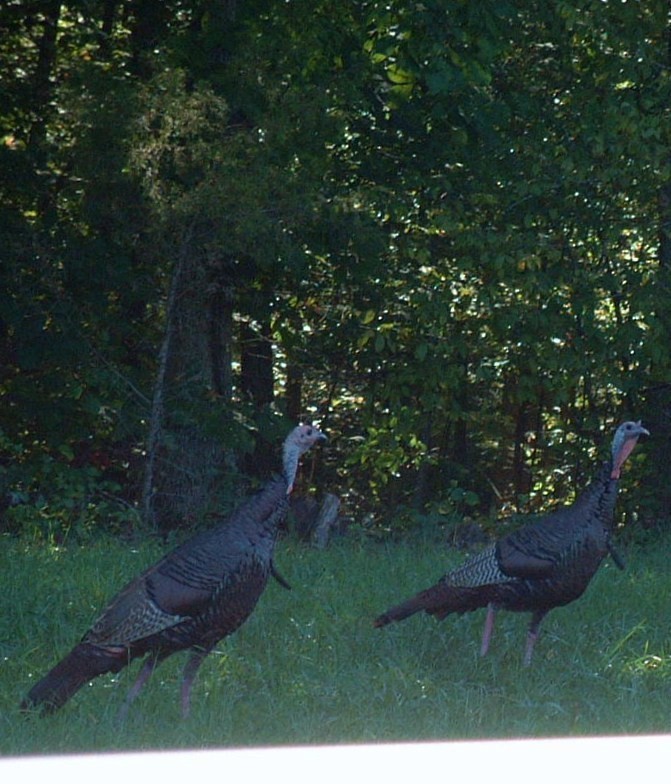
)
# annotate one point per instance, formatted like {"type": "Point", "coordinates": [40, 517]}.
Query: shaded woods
{"type": "Point", "coordinates": [441, 230]}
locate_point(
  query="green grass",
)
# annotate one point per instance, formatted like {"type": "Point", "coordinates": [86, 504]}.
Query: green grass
{"type": "Point", "coordinates": [309, 668]}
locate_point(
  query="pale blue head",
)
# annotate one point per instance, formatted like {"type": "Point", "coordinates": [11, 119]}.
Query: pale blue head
{"type": "Point", "coordinates": [624, 441]}
{"type": "Point", "coordinates": [296, 444]}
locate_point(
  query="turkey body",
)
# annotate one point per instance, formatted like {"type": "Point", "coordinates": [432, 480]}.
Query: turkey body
{"type": "Point", "coordinates": [545, 564]}
{"type": "Point", "coordinates": [191, 599]}
{"type": "Point", "coordinates": [203, 590]}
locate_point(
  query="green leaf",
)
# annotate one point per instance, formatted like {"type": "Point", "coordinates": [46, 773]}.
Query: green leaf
{"type": "Point", "coordinates": [421, 351]}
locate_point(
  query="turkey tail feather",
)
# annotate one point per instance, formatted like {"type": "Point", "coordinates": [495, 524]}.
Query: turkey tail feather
{"type": "Point", "coordinates": [439, 600]}
{"type": "Point", "coordinates": [400, 612]}
{"type": "Point", "coordinates": [81, 665]}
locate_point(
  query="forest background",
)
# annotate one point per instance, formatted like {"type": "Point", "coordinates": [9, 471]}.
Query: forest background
{"type": "Point", "coordinates": [440, 229]}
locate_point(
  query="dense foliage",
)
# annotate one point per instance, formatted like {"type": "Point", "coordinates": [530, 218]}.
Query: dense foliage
{"type": "Point", "coordinates": [442, 229]}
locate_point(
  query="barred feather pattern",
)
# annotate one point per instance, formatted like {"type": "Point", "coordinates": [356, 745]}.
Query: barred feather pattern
{"type": "Point", "coordinates": [189, 587]}
{"type": "Point", "coordinates": [193, 597]}
{"type": "Point", "coordinates": [481, 569]}
{"type": "Point", "coordinates": [545, 564]}
{"type": "Point", "coordinates": [199, 593]}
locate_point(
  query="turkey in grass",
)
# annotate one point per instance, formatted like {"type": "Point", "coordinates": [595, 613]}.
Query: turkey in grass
{"type": "Point", "coordinates": [193, 597]}
{"type": "Point", "coordinates": [545, 564]}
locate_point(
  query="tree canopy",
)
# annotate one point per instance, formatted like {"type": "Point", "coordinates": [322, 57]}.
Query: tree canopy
{"type": "Point", "coordinates": [441, 229]}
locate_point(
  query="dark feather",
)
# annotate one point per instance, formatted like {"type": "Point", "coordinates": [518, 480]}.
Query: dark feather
{"type": "Point", "coordinates": [281, 580]}
{"type": "Point", "coordinates": [545, 564]}
{"type": "Point", "coordinates": [193, 597]}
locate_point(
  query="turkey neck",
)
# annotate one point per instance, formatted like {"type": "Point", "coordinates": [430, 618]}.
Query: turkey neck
{"type": "Point", "coordinates": [618, 460]}
{"type": "Point", "coordinates": [290, 465]}
{"type": "Point", "coordinates": [599, 498]}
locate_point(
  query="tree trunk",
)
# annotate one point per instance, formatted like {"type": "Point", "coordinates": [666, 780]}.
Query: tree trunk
{"type": "Point", "coordinates": [257, 385]}
{"type": "Point", "coordinates": [256, 364]}
{"type": "Point", "coordinates": [147, 27]}
{"type": "Point", "coordinates": [422, 491]}
{"type": "Point", "coordinates": [108, 15]}
{"type": "Point", "coordinates": [328, 516]}
{"type": "Point", "coordinates": [521, 473]}
{"type": "Point", "coordinates": [185, 457]}
{"type": "Point", "coordinates": [220, 335]}
{"type": "Point", "coordinates": [294, 392]}
{"type": "Point", "coordinates": [658, 395]}
{"type": "Point", "coordinates": [158, 399]}
{"type": "Point", "coordinates": [43, 80]}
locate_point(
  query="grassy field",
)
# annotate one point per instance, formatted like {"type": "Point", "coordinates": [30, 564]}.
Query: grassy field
{"type": "Point", "coordinates": [309, 668]}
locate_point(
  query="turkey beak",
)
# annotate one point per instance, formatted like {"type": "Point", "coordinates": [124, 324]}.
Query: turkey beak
{"type": "Point", "coordinates": [641, 430]}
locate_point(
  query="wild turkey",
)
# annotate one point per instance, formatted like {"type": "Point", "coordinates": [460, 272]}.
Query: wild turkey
{"type": "Point", "coordinates": [544, 564]}
{"type": "Point", "coordinates": [193, 597]}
